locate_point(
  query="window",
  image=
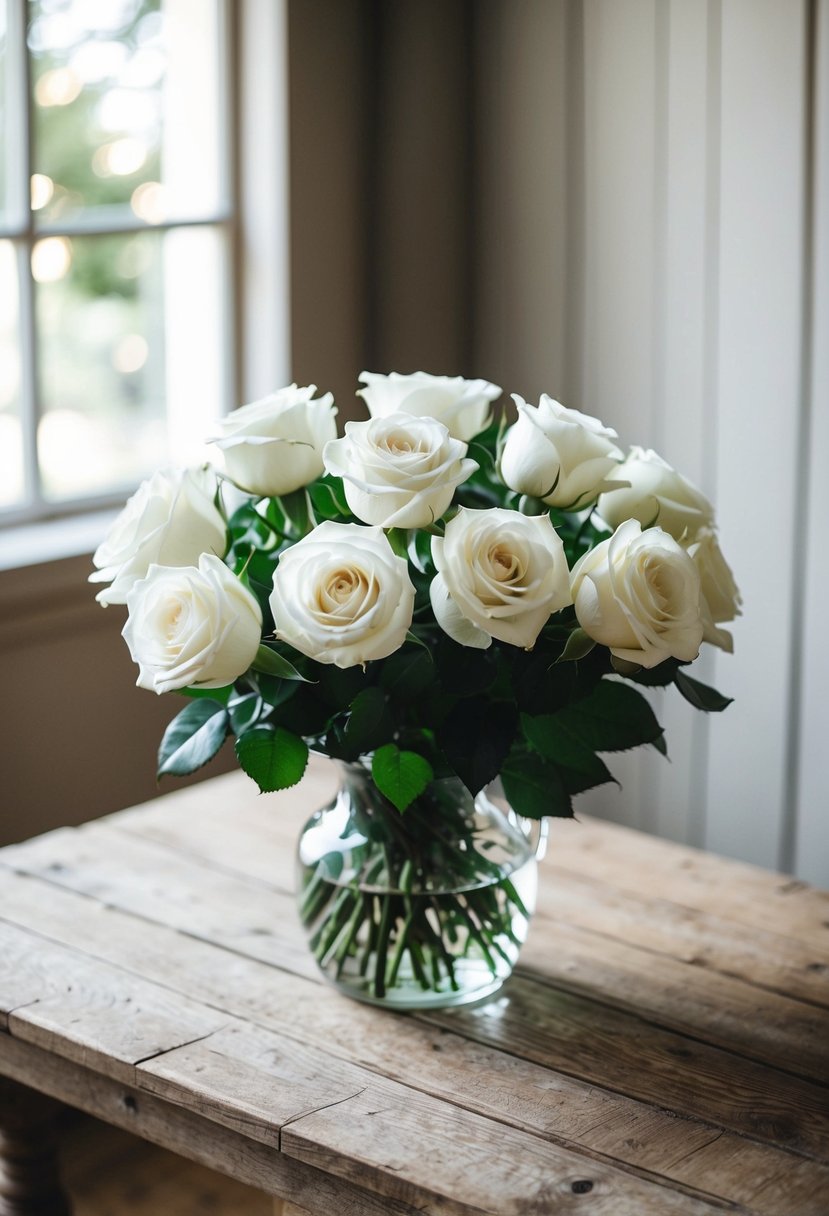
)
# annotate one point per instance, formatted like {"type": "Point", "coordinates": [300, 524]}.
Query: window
{"type": "Point", "coordinates": [116, 217]}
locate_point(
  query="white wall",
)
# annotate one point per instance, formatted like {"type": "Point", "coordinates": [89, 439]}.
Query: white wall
{"type": "Point", "coordinates": [676, 284]}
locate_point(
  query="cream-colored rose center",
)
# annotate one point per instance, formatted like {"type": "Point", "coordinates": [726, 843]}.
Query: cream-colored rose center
{"type": "Point", "coordinates": [401, 444]}
{"type": "Point", "coordinates": [504, 564]}
{"type": "Point", "coordinates": [173, 613]}
{"type": "Point", "coordinates": [344, 594]}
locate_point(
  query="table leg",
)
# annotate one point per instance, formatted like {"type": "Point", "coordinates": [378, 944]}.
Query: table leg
{"type": "Point", "coordinates": [29, 1178]}
{"type": "Point", "coordinates": [284, 1207]}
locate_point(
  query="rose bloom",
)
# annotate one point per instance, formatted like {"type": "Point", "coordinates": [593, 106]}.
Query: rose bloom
{"type": "Point", "coordinates": [720, 598]}
{"type": "Point", "coordinates": [398, 471]}
{"type": "Point", "coordinates": [341, 595]}
{"type": "Point", "coordinates": [274, 446]}
{"type": "Point", "coordinates": [559, 455]}
{"type": "Point", "coordinates": [192, 627]}
{"type": "Point", "coordinates": [638, 593]}
{"type": "Point", "coordinates": [656, 494]}
{"type": "Point", "coordinates": [463, 406]}
{"type": "Point", "coordinates": [170, 520]}
{"type": "Point", "coordinates": [500, 575]}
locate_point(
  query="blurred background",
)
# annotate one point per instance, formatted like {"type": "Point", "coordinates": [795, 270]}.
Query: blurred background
{"type": "Point", "coordinates": [622, 203]}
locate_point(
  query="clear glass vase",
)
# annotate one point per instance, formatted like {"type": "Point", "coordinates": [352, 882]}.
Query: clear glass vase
{"type": "Point", "coordinates": [422, 909]}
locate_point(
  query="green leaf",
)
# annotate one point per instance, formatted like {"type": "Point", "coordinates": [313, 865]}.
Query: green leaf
{"type": "Point", "coordinates": [476, 738]}
{"type": "Point", "coordinates": [408, 672]}
{"type": "Point", "coordinates": [369, 723]}
{"type": "Point", "coordinates": [657, 677]}
{"type": "Point", "coordinates": [328, 497]}
{"type": "Point", "coordinates": [295, 508]}
{"type": "Point", "coordinates": [274, 758]}
{"type": "Point", "coordinates": [222, 695]}
{"type": "Point", "coordinates": [398, 538]}
{"type": "Point", "coordinates": [274, 664]}
{"type": "Point", "coordinates": [542, 687]}
{"type": "Point", "coordinates": [533, 787]}
{"type": "Point", "coordinates": [464, 671]}
{"type": "Point", "coordinates": [581, 768]}
{"type": "Point", "coordinates": [611, 718]}
{"type": "Point", "coordinates": [581, 777]}
{"type": "Point", "coordinates": [700, 695]}
{"type": "Point", "coordinates": [192, 738]}
{"type": "Point", "coordinates": [400, 776]}
{"type": "Point", "coordinates": [579, 644]}
{"type": "Point", "coordinates": [245, 712]}
{"type": "Point", "coordinates": [660, 745]}
{"type": "Point", "coordinates": [414, 640]}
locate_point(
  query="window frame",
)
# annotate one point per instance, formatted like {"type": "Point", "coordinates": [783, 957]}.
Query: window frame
{"type": "Point", "coordinates": [19, 228]}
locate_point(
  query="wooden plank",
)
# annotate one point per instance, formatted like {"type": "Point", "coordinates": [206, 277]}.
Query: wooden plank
{"type": "Point", "coordinates": [715, 1008]}
{"type": "Point", "coordinates": [142, 877]}
{"type": "Point", "coordinates": [220, 908]}
{"type": "Point", "coordinates": [464, 1164]}
{"type": "Point", "coordinates": [643, 1061]}
{"type": "Point", "coordinates": [203, 821]}
{"type": "Point", "coordinates": [251, 1080]}
{"type": "Point", "coordinates": [660, 869]}
{"type": "Point", "coordinates": [89, 1011]}
{"type": "Point", "coordinates": [768, 960]}
{"type": "Point", "coordinates": [248, 1061]}
{"type": "Point", "coordinates": [122, 871]}
{"type": "Point", "coordinates": [189, 1135]}
{"type": "Point", "coordinates": [647, 1134]}
{"type": "Point", "coordinates": [259, 839]}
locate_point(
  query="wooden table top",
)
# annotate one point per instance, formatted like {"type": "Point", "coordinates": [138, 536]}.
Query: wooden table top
{"type": "Point", "coordinates": [663, 1046]}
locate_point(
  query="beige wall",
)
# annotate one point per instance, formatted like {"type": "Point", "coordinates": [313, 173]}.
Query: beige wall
{"type": "Point", "coordinates": [78, 738]}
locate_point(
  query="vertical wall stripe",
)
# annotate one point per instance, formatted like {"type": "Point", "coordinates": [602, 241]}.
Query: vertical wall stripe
{"type": "Point", "coordinates": [698, 816]}
{"type": "Point", "coordinates": [803, 529]}
{"type": "Point", "coordinates": [811, 846]}
{"type": "Point", "coordinates": [573, 377]}
{"type": "Point", "coordinates": [757, 495]}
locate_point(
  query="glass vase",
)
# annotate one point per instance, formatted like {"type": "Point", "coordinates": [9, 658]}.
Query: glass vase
{"type": "Point", "coordinates": [420, 909]}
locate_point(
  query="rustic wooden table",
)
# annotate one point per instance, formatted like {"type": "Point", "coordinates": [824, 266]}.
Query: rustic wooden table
{"type": "Point", "coordinates": [662, 1048]}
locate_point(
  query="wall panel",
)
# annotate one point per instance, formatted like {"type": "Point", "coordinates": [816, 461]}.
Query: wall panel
{"type": "Point", "coordinates": [811, 828]}
{"type": "Point", "coordinates": [681, 232]}
{"type": "Point", "coordinates": [758, 413]}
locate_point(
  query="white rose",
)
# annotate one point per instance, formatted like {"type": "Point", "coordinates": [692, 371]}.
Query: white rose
{"type": "Point", "coordinates": [559, 455]}
{"type": "Point", "coordinates": [398, 471]}
{"type": "Point", "coordinates": [192, 627]}
{"type": "Point", "coordinates": [720, 598]}
{"type": "Point", "coordinates": [501, 575]}
{"type": "Point", "coordinates": [274, 446]}
{"type": "Point", "coordinates": [170, 520]}
{"type": "Point", "coordinates": [341, 595]}
{"type": "Point", "coordinates": [657, 494]}
{"type": "Point", "coordinates": [638, 593]}
{"type": "Point", "coordinates": [463, 406]}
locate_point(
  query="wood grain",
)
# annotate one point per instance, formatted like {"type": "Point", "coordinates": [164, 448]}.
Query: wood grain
{"type": "Point", "coordinates": [228, 825]}
{"type": "Point", "coordinates": [191, 1136]}
{"type": "Point", "coordinates": [660, 1042]}
{"type": "Point", "coordinates": [249, 918]}
{"type": "Point", "coordinates": [580, 1114]}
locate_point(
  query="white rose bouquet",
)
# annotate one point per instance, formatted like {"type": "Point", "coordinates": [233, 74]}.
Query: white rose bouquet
{"type": "Point", "coordinates": [432, 597]}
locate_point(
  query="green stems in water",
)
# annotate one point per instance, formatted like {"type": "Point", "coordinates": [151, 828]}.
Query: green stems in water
{"type": "Point", "coordinates": [385, 935]}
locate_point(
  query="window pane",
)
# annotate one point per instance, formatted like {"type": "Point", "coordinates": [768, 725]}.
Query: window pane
{"type": "Point", "coordinates": [131, 354]}
{"type": "Point", "coordinates": [6, 110]}
{"type": "Point", "coordinates": [11, 435]}
{"type": "Point", "coordinates": [126, 107]}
